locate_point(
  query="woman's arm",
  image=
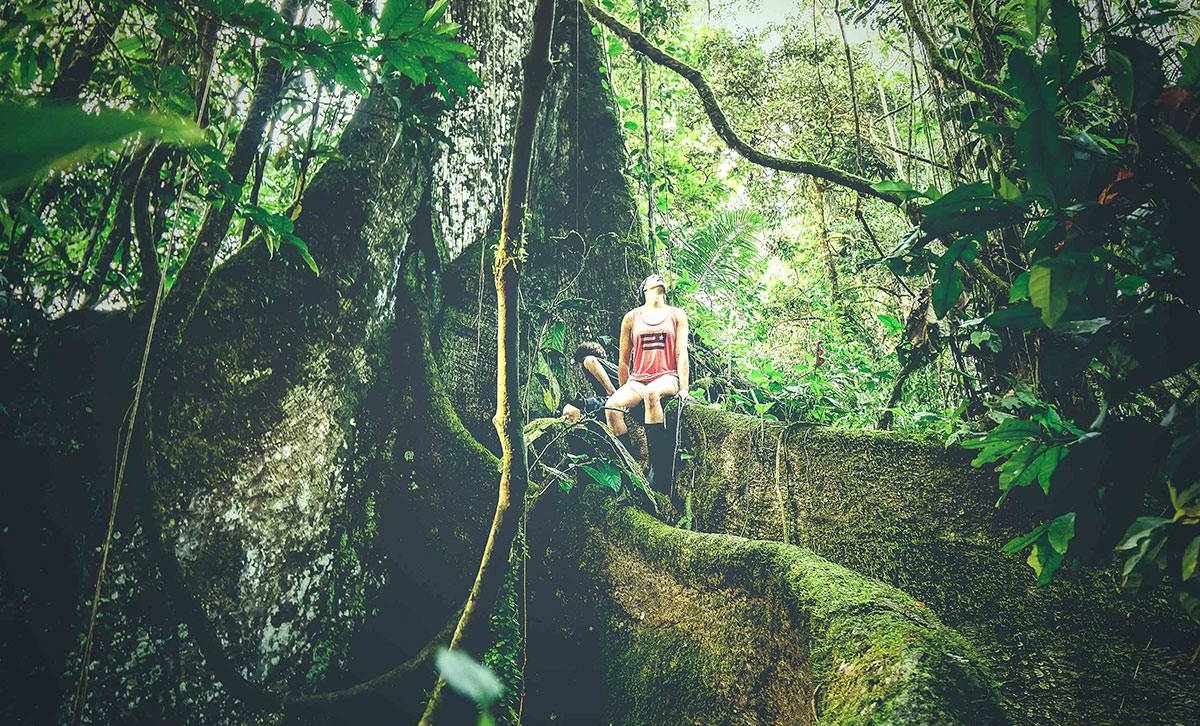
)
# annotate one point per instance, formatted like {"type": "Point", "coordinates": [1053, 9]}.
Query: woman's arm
{"type": "Point", "coordinates": [626, 345]}
{"type": "Point", "coordinates": [682, 361]}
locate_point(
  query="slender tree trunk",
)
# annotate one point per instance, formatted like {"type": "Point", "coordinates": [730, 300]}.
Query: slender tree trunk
{"type": "Point", "coordinates": [823, 238]}
{"type": "Point", "coordinates": [77, 70]}
{"type": "Point", "coordinates": [646, 157]}
{"type": "Point", "coordinates": [893, 136]}
{"type": "Point", "coordinates": [506, 269]}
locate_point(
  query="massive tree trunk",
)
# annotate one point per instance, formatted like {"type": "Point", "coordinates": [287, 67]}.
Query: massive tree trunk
{"type": "Point", "coordinates": [306, 457]}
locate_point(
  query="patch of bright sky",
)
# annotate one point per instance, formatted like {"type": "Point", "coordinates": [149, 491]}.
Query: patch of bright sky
{"type": "Point", "coordinates": [755, 15]}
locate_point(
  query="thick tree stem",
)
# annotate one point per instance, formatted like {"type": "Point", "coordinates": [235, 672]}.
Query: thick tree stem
{"type": "Point", "coordinates": [506, 269]}
{"type": "Point", "coordinates": [720, 123]}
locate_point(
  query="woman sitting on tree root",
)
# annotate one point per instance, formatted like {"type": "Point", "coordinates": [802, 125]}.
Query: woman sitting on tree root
{"type": "Point", "coordinates": [653, 366]}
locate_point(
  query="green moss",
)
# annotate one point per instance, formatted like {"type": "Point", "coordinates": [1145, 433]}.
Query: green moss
{"type": "Point", "coordinates": [714, 628]}
{"type": "Point", "coordinates": [920, 518]}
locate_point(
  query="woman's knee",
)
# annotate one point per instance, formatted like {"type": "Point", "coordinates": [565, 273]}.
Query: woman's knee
{"type": "Point", "coordinates": [653, 398]}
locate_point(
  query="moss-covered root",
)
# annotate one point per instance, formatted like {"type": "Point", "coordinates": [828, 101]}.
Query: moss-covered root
{"type": "Point", "coordinates": [702, 628]}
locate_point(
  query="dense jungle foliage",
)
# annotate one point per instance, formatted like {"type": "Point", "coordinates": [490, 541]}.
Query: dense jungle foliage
{"type": "Point", "coordinates": [1023, 283]}
{"type": "Point", "coordinates": [971, 221]}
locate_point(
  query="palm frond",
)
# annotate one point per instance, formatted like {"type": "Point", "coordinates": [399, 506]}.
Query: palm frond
{"type": "Point", "coordinates": [721, 256]}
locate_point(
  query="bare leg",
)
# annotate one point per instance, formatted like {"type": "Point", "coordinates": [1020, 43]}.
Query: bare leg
{"type": "Point", "coordinates": [655, 392]}
{"type": "Point", "coordinates": [624, 397]}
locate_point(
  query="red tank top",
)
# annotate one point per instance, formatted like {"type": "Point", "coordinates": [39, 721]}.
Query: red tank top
{"type": "Point", "coordinates": [653, 346]}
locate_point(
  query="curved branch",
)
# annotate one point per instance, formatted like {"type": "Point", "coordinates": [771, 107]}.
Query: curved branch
{"type": "Point", "coordinates": [995, 94]}
{"type": "Point", "coordinates": [720, 123]}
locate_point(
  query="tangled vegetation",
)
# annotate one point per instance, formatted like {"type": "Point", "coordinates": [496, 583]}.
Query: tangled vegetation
{"type": "Point", "coordinates": [974, 223]}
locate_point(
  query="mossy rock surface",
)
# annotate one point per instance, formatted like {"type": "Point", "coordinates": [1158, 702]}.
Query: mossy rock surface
{"type": "Point", "coordinates": [685, 627]}
{"type": "Point", "coordinates": [918, 517]}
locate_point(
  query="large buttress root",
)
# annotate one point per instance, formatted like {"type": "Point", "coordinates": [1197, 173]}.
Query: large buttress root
{"type": "Point", "coordinates": [682, 627]}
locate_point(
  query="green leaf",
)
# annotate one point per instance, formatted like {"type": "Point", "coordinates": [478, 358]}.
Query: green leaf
{"type": "Point", "coordinates": [967, 210]}
{"type": "Point", "coordinates": [1035, 15]}
{"type": "Point", "coordinates": [1121, 76]}
{"type": "Point", "coordinates": [1008, 191]}
{"type": "Point", "coordinates": [1189, 75]}
{"type": "Point", "coordinates": [1060, 532]}
{"type": "Point", "coordinates": [1016, 544]}
{"type": "Point", "coordinates": [1021, 316]}
{"type": "Point", "coordinates": [1045, 562]}
{"type": "Point", "coordinates": [1190, 555]}
{"type": "Point", "coordinates": [604, 474]}
{"type": "Point", "coordinates": [556, 337]}
{"type": "Point", "coordinates": [302, 247]}
{"type": "Point", "coordinates": [1020, 288]}
{"type": "Point", "coordinates": [1030, 82]}
{"type": "Point", "coordinates": [1046, 295]}
{"type": "Point", "coordinates": [400, 16]}
{"type": "Point", "coordinates": [435, 12]}
{"type": "Point", "coordinates": [1042, 154]}
{"type": "Point", "coordinates": [469, 677]}
{"type": "Point", "coordinates": [1130, 284]}
{"type": "Point", "coordinates": [1085, 327]}
{"type": "Point", "coordinates": [1007, 438]}
{"type": "Point", "coordinates": [398, 57]}
{"type": "Point", "coordinates": [1141, 528]}
{"type": "Point", "coordinates": [947, 286]}
{"type": "Point", "coordinates": [1068, 35]}
{"type": "Point", "coordinates": [891, 323]}
{"type": "Point", "coordinates": [902, 189]}
{"type": "Point", "coordinates": [346, 16]}
{"type": "Point", "coordinates": [36, 138]}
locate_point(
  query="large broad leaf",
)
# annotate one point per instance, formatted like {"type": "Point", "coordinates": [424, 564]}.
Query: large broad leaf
{"type": "Point", "coordinates": [36, 138]}
{"type": "Point", "coordinates": [902, 189]}
{"type": "Point", "coordinates": [1068, 36]}
{"type": "Point", "coordinates": [346, 15]}
{"type": "Point", "coordinates": [1035, 15]}
{"type": "Point", "coordinates": [1045, 561]}
{"type": "Point", "coordinates": [968, 210]}
{"type": "Point", "coordinates": [401, 16]}
{"type": "Point", "coordinates": [1021, 316]}
{"type": "Point", "coordinates": [1004, 440]}
{"type": "Point", "coordinates": [469, 677]}
{"type": "Point", "coordinates": [1030, 82]}
{"type": "Point", "coordinates": [1043, 154]}
{"type": "Point", "coordinates": [1061, 531]}
{"type": "Point", "coordinates": [1141, 529]}
{"type": "Point", "coordinates": [604, 474]}
{"type": "Point", "coordinates": [947, 283]}
{"type": "Point", "coordinates": [1191, 554]}
{"type": "Point", "coordinates": [1047, 294]}
{"type": "Point", "coordinates": [1121, 76]}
